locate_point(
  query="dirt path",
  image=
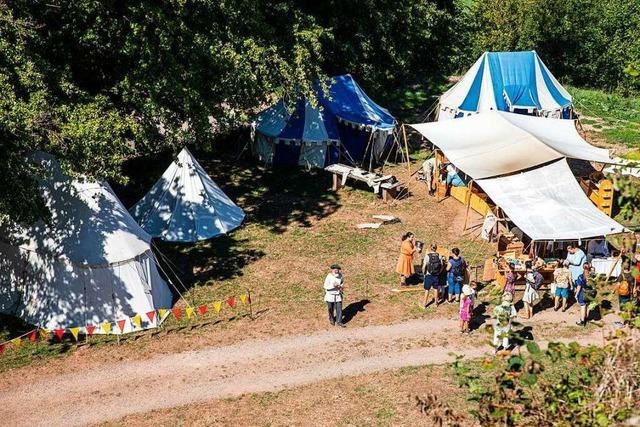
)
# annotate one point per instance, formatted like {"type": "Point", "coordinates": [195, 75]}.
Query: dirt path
{"type": "Point", "coordinates": [122, 388]}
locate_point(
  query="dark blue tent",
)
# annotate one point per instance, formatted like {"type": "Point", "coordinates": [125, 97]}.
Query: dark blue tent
{"type": "Point", "coordinates": [347, 122]}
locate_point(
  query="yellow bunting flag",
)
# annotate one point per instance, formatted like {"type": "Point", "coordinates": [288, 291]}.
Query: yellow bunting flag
{"type": "Point", "coordinates": [44, 334]}
{"type": "Point", "coordinates": [106, 327]}
{"type": "Point", "coordinates": [243, 298]}
{"type": "Point", "coordinates": [217, 306]}
{"type": "Point", "coordinates": [17, 342]}
{"type": "Point", "coordinates": [74, 332]}
{"type": "Point", "coordinates": [137, 320]}
{"type": "Point", "coordinates": [189, 312]}
{"type": "Point", "coordinates": [162, 312]}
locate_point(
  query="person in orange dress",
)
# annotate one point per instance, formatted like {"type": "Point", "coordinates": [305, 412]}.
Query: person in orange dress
{"type": "Point", "coordinates": [405, 266]}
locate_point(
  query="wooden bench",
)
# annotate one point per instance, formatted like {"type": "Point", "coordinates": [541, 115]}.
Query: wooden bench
{"type": "Point", "coordinates": [385, 185]}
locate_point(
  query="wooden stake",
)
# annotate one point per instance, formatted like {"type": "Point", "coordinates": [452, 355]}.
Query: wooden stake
{"type": "Point", "coordinates": [406, 146]}
{"type": "Point", "coordinates": [466, 215]}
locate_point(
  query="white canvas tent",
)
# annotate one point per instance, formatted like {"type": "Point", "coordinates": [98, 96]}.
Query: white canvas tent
{"type": "Point", "coordinates": [90, 264]}
{"type": "Point", "coordinates": [495, 143]}
{"type": "Point", "coordinates": [185, 205]}
{"type": "Point", "coordinates": [547, 203]}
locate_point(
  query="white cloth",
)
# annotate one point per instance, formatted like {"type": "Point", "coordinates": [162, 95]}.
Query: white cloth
{"type": "Point", "coordinates": [487, 226]}
{"type": "Point", "coordinates": [497, 143]}
{"type": "Point", "coordinates": [547, 203]}
{"type": "Point", "coordinates": [333, 287]}
{"type": "Point", "coordinates": [604, 265]}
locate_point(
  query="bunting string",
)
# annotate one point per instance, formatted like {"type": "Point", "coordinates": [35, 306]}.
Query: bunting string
{"type": "Point", "coordinates": [135, 323]}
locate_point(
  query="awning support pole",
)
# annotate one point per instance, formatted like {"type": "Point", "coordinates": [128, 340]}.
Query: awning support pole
{"type": "Point", "coordinates": [406, 146]}
{"type": "Point", "coordinates": [466, 215]}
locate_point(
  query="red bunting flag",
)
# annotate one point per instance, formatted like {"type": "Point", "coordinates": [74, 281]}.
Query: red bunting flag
{"type": "Point", "coordinates": [151, 315]}
{"type": "Point", "coordinates": [59, 333]}
{"type": "Point", "coordinates": [231, 302]}
{"type": "Point", "coordinates": [176, 313]}
{"type": "Point", "coordinates": [121, 324]}
{"type": "Point", "coordinates": [89, 329]}
{"type": "Point", "coordinates": [33, 335]}
{"type": "Point", "coordinates": [202, 309]}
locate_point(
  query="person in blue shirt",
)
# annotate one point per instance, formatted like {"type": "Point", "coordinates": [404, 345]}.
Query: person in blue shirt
{"type": "Point", "coordinates": [597, 248]}
{"type": "Point", "coordinates": [581, 283]}
{"type": "Point", "coordinates": [576, 259]}
{"type": "Point", "coordinates": [453, 178]}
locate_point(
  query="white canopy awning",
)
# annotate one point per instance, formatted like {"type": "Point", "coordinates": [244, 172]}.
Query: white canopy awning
{"type": "Point", "coordinates": [547, 203]}
{"type": "Point", "coordinates": [495, 143]}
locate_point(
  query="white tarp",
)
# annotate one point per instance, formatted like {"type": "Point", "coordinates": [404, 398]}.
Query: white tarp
{"type": "Point", "coordinates": [547, 203]}
{"type": "Point", "coordinates": [495, 143]}
{"type": "Point", "coordinates": [90, 264]}
{"type": "Point", "coordinates": [185, 205]}
{"type": "Point", "coordinates": [485, 145]}
{"type": "Point", "coordinates": [561, 135]}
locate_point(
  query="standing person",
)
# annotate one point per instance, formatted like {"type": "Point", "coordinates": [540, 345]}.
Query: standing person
{"type": "Point", "coordinates": [562, 279]}
{"type": "Point", "coordinates": [530, 295]}
{"type": "Point", "coordinates": [576, 259]}
{"type": "Point", "coordinates": [456, 268]}
{"type": "Point", "coordinates": [333, 286]}
{"type": "Point", "coordinates": [405, 266]}
{"type": "Point", "coordinates": [466, 308]}
{"type": "Point", "coordinates": [432, 267]}
{"type": "Point", "coordinates": [503, 314]}
{"type": "Point", "coordinates": [510, 280]}
{"type": "Point", "coordinates": [428, 169]}
{"type": "Point", "coordinates": [581, 284]}
{"type": "Point", "coordinates": [625, 286]}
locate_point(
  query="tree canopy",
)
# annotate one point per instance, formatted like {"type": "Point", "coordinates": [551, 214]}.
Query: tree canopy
{"type": "Point", "coordinates": [96, 82]}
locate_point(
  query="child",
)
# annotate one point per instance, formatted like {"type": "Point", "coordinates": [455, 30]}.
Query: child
{"type": "Point", "coordinates": [530, 290]}
{"type": "Point", "coordinates": [504, 313]}
{"type": "Point", "coordinates": [466, 308]}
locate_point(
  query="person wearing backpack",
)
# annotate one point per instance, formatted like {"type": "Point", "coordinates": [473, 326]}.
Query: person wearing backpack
{"type": "Point", "coordinates": [624, 288]}
{"type": "Point", "coordinates": [456, 268]}
{"type": "Point", "coordinates": [533, 282]}
{"type": "Point", "coordinates": [432, 267]}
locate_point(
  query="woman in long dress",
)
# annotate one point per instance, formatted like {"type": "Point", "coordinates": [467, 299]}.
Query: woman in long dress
{"type": "Point", "coordinates": [530, 295]}
{"type": "Point", "coordinates": [405, 266]}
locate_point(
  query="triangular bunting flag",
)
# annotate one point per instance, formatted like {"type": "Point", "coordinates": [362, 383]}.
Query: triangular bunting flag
{"type": "Point", "coordinates": [217, 306]}
{"type": "Point", "coordinates": [74, 332]}
{"type": "Point", "coordinates": [121, 323]}
{"type": "Point", "coordinates": [17, 342]}
{"type": "Point", "coordinates": [44, 335]}
{"type": "Point", "coordinates": [59, 333]}
{"type": "Point", "coordinates": [202, 309]}
{"type": "Point", "coordinates": [33, 335]}
{"type": "Point", "coordinates": [106, 327]}
{"type": "Point", "coordinates": [162, 313]}
{"type": "Point", "coordinates": [189, 312]}
{"type": "Point", "coordinates": [231, 302]}
{"type": "Point", "coordinates": [243, 298]}
{"type": "Point", "coordinates": [176, 313]}
{"type": "Point", "coordinates": [137, 320]}
{"type": "Point", "coordinates": [89, 329]}
{"type": "Point", "coordinates": [151, 315]}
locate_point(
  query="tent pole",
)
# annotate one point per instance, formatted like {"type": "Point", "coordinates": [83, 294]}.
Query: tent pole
{"type": "Point", "coordinates": [466, 215]}
{"type": "Point", "coordinates": [406, 146]}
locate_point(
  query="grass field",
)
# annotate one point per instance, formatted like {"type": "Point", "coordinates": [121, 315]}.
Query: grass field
{"type": "Point", "coordinates": [614, 119]}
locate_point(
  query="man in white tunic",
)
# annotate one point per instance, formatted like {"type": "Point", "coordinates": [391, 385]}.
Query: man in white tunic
{"type": "Point", "coordinates": [333, 284]}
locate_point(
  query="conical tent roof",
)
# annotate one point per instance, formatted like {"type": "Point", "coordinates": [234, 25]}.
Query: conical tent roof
{"type": "Point", "coordinates": [90, 263]}
{"type": "Point", "coordinates": [506, 81]}
{"type": "Point", "coordinates": [185, 205]}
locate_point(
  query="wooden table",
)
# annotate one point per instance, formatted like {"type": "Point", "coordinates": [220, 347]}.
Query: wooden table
{"type": "Point", "coordinates": [385, 185]}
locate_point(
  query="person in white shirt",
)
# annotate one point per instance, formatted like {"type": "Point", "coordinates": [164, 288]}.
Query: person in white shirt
{"type": "Point", "coordinates": [333, 285]}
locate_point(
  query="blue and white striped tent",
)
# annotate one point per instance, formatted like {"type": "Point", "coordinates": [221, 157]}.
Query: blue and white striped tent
{"type": "Point", "coordinates": [301, 137]}
{"type": "Point", "coordinates": [507, 81]}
